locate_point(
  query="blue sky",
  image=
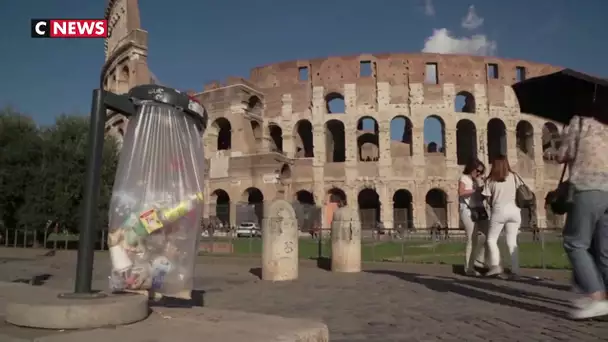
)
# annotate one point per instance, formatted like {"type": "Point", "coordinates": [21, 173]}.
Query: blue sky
{"type": "Point", "coordinates": [195, 41]}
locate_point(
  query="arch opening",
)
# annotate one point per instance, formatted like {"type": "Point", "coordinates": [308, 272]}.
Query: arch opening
{"type": "Point", "coordinates": [466, 141]}
{"type": "Point", "coordinates": [224, 134]}
{"type": "Point", "coordinates": [123, 80]}
{"type": "Point", "coordinates": [524, 133]}
{"type": "Point", "coordinates": [464, 102]}
{"type": "Point", "coordinates": [254, 105]}
{"type": "Point", "coordinates": [276, 134]}
{"type": "Point", "coordinates": [335, 143]}
{"type": "Point", "coordinates": [222, 206]}
{"type": "Point", "coordinates": [285, 173]}
{"type": "Point", "coordinates": [304, 140]}
{"type": "Point", "coordinates": [436, 209]}
{"type": "Point", "coordinates": [434, 135]}
{"type": "Point", "coordinates": [403, 210]}
{"type": "Point", "coordinates": [497, 139]}
{"type": "Point", "coordinates": [401, 137]}
{"type": "Point", "coordinates": [368, 134]}
{"type": "Point", "coordinates": [307, 213]}
{"type": "Point", "coordinates": [337, 195]}
{"type": "Point", "coordinates": [550, 138]}
{"type": "Point", "coordinates": [256, 130]}
{"type": "Point", "coordinates": [334, 103]}
{"type": "Point", "coordinates": [369, 209]}
{"type": "Point", "coordinates": [253, 211]}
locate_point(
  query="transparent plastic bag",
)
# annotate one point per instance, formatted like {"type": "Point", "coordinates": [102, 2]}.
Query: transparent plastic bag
{"type": "Point", "coordinates": [156, 207]}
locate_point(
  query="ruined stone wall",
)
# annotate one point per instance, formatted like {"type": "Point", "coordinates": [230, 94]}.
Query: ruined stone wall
{"type": "Point", "coordinates": [398, 87]}
{"type": "Point", "coordinates": [126, 54]}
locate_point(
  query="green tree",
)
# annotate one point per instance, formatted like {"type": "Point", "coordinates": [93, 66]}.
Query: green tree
{"type": "Point", "coordinates": [20, 154]}
{"type": "Point", "coordinates": [55, 193]}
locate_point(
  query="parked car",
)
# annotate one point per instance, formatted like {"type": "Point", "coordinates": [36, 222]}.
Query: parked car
{"type": "Point", "coordinates": [248, 229]}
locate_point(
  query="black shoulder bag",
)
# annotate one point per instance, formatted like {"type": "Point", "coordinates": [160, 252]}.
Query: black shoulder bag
{"type": "Point", "coordinates": [560, 199]}
{"type": "Point", "coordinates": [477, 213]}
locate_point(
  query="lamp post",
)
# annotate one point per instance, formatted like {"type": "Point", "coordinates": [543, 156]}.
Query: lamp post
{"type": "Point", "coordinates": [102, 101]}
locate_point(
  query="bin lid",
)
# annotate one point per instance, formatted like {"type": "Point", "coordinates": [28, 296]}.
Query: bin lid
{"type": "Point", "coordinates": [173, 97]}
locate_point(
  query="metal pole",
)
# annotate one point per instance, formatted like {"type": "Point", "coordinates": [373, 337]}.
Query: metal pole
{"type": "Point", "coordinates": [88, 224]}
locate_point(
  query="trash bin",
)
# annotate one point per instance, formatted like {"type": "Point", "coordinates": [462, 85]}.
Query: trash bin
{"type": "Point", "coordinates": [156, 207]}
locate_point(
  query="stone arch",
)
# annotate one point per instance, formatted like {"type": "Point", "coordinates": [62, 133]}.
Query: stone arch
{"type": "Point", "coordinates": [335, 143]}
{"type": "Point", "coordinates": [123, 80]}
{"type": "Point", "coordinates": [436, 208]}
{"type": "Point", "coordinates": [255, 105]}
{"type": "Point", "coordinates": [254, 211]}
{"type": "Point", "coordinates": [464, 102]}
{"type": "Point", "coordinates": [550, 138]}
{"type": "Point", "coordinates": [497, 139]}
{"type": "Point", "coordinates": [466, 141]}
{"type": "Point", "coordinates": [403, 210]}
{"type": "Point", "coordinates": [224, 134]}
{"type": "Point", "coordinates": [368, 136]}
{"type": "Point", "coordinates": [337, 195]}
{"type": "Point", "coordinates": [524, 134]}
{"type": "Point", "coordinates": [285, 173]}
{"type": "Point", "coordinates": [258, 134]}
{"type": "Point", "coordinates": [303, 135]}
{"type": "Point", "coordinates": [334, 103]}
{"type": "Point", "coordinates": [401, 136]}
{"type": "Point", "coordinates": [222, 206]}
{"type": "Point", "coordinates": [305, 196]}
{"type": "Point", "coordinates": [114, 83]}
{"type": "Point", "coordinates": [434, 135]}
{"type": "Point", "coordinates": [307, 213]}
{"type": "Point", "coordinates": [368, 201]}
{"type": "Point", "coordinates": [276, 134]}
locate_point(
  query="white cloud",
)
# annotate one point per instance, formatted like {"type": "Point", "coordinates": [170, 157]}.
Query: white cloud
{"type": "Point", "coordinates": [429, 9]}
{"type": "Point", "coordinates": [443, 42]}
{"type": "Point", "coordinates": [471, 21]}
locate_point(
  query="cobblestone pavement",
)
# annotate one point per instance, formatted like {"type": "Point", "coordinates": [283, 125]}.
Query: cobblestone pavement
{"type": "Point", "coordinates": [388, 302]}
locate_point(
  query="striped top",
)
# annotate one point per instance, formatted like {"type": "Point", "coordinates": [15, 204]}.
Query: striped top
{"type": "Point", "coordinates": [589, 171]}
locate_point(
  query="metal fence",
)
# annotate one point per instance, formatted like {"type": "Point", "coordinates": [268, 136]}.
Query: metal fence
{"type": "Point", "coordinates": [406, 243]}
{"type": "Point", "coordinates": [537, 248]}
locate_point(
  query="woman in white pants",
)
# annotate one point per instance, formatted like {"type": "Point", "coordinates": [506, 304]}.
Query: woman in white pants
{"type": "Point", "coordinates": [500, 189]}
{"type": "Point", "coordinates": [470, 200]}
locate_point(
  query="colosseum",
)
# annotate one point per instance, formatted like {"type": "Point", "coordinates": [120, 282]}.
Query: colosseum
{"type": "Point", "coordinates": [388, 133]}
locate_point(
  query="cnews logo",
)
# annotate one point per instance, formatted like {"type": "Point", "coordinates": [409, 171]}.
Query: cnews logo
{"type": "Point", "coordinates": [69, 28]}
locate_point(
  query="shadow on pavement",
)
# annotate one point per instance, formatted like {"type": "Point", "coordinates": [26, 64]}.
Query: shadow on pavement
{"type": "Point", "coordinates": [198, 299]}
{"type": "Point", "coordinates": [256, 271]}
{"type": "Point", "coordinates": [37, 280]}
{"type": "Point", "coordinates": [474, 289]}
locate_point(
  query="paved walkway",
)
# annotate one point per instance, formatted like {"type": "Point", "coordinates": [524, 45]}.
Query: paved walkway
{"type": "Point", "coordinates": [388, 302]}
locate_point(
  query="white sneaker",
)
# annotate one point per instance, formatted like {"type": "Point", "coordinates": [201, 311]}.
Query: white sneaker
{"type": "Point", "coordinates": [594, 308]}
{"type": "Point", "coordinates": [494, 271]}
{"type": "Point", "coordinates": [581, 303]}
{"type": "Point", "coordinates": [472, 273]}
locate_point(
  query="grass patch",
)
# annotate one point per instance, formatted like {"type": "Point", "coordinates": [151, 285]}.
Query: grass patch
{"type": "Point", "coordinates": [531, 254]}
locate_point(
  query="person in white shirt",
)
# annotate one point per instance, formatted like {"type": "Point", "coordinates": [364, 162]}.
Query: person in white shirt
{"type": "Point", "coordinates": [501, 189]}
{"type": "Point", "coordinates": [472, 212]}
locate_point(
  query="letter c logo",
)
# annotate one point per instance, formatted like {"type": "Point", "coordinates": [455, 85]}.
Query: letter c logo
{"type": "Point", "coordinates": [37, 28]}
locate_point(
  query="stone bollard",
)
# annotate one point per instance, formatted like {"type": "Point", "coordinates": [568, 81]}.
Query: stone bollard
{"type": "Point", "coordinates": [345, 241]}
{"type": "Point", "coordinates": [279, 242]}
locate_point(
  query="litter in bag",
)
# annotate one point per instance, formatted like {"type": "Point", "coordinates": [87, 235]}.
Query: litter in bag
{"type": "Point", "coordinates": [156, 206]}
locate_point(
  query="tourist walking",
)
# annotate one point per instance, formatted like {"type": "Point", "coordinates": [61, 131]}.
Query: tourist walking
{"type": "Point", "coordinates": [584, 143]}
{"type": "Point", "coordinates": [501, 188]}
{"type": "Point", "coordinates": [473, 214]}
